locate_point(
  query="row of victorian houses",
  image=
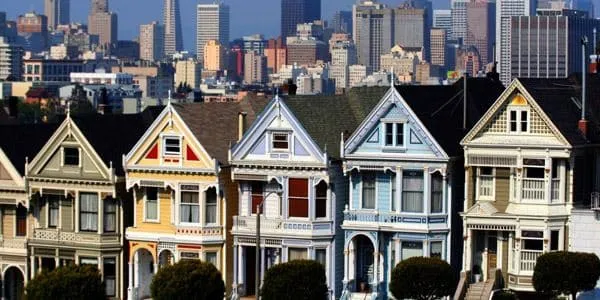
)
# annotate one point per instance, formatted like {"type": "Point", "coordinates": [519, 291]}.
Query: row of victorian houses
{"type": "Point", "coordinates": [485, 177]}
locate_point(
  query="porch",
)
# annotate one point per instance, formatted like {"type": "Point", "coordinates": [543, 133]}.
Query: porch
{"type": "Point", "coordinates": [282, 227]}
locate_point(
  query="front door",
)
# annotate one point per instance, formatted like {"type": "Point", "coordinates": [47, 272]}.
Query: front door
{"type": "Point", "coordinates": [364, 263]}
{"type": "Point", "coordinates": [492, 248]}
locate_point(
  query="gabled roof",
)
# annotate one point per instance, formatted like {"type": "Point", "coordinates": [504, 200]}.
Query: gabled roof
{"type": "Point", "coordinates": [560, 99]}
{"type": "Point", "coordinates": [440, 108]}
{"type": "Point", "coordinates": [111, 136]}
{"type": "Point", "coordinates": [215, 125]}
{"type": "Point", "coordinates": [325, 118]}
{"type": "Point", "coordinates": [25, 140]}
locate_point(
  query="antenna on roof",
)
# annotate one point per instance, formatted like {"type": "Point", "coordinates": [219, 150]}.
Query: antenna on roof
{"type": "Point", "coordinates": [169, 100]}
{"type": "Point", "coordinates": [68, 108]}
{"type": "Point", "coordinates": [393, 79]}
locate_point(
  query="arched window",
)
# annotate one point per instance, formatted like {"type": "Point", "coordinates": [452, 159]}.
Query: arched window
{"type": "Point", "coordinates": [321, 200]}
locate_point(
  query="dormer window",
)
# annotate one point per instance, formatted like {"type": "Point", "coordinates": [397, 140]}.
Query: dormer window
{"type": "Point", "coordinates": [71, 156]}
{"type": "Point", "coordinates": [172, 146]}
{"type": "Point", "coordinates": [518, 120]}
{"type": "Point", "coordinates": [281, 142]}
{"type": "Point", "coordinates": [394, 134]}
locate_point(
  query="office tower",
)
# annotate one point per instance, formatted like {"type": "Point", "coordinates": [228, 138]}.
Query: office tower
{"type": "Point", "coordinates": [410, 28]}
{"type": "Point", "coordinates": [505, 10]}
{"type": "Point", "coordinates": [57, 11]}
{"type": "Point", "coordinates": [342, 22]}
{"type": "Point", "coordinates": [11, 61]}
{"type": "Point", "coordinates": [255, 42]}
{"type": "Point", "coordinates": [188, 72]}
{"type": "Point", "coordinates": [305, 52]}
{"type": "Point", "coordinates": [425, 5]}
{"type": "Point", "coordinates": [343, 55]}
{"type": "Point", "coordinates": [152, 41]}
{"type": "Point", "coordinates": [373, 32]}
{"type": "Point", "coordinates": [212, 23]}
{"type": "Point", "coordinates": [356, 74]}
{"type": "Point", "coordinates": [173, 41]}
{"type": "Point", "coordinates": [276, 54]}
{"type": "Point", "coordinates": [310, 30]}
{"type": "Point", "coordinates": [214, 56]}
{"type": "Point", "coordinates": [294, 12]}
{"type": "Point", "coordinates": [438, 46]}
{"type": "Point", "coordinates": [255, 68]}
{"type": "Point", "coordinates": [539, 54]}
{"type": "Point", "coordinates": [32, 29]}
{"type": "Point", "coordinates": [2, 23]}
{"type": "Point", "coordinates": [586, 5]}
{"type": "Point", "coordinates": [468, 60]}
{"type": "Point", "coordinates": [544, 4]}
{"type": "Point", "coordinates": [442, 18]}
{"type": "Point", "coordinates": [459, 18]}
{"type": "Point", "coordinates": [481, 28]}
{"type": "Point", "coordinates": [103, 23]}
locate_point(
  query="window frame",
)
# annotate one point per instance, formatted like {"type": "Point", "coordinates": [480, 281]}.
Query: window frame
{"type": "Point", "coordinates": [113, 277]}
{"type": "Point", "coordinates": [216, 254]}
{"type": "Point", "coordinates": [519, 111]}
{"type": "Point", "coordinates": [107, 203]}
{"type": "Point", "coordinates": [198, 192]}
{"type": "Point", "coordinates": [257, 195]}
{"type": "Point", "coordinates": [288, 141]}
{"type": "Point", "coordinates": [441, 243]}
{"type": "Point", "coordinates": [323, 199]}
{"type": "Point", "coordinates": [64, 156]}
{"type": "Point", "coordinates": [316, 257]}
{"type": "Point", "coordinates": [55, 199]}
{"type": "Point", "coordinates": [290, 249]}
{"type": "Point", "coordinates": [82, 212]}
{"type": "Point", "coordinates": [214, 205]}
{"type": "Point", "coordinates": [362, 190]}
{"type": "Point", "coordinates": [146, 200]}
{"type": "Point", "coordinates": [404, 190]}
{"type": "Point", "coordinates": [407, 242]}
{"type": "Point", "coordinates": [396, 127]}
{"type": "Point", "coordinates": [167, 153]}
{"type": "Point", "coordinates": [18, 219]}
{"type": "Point", "coordinates": [538, 239]}
{"type": "Point", "coordinates": [440, 192]}
{"type": "Point", "coordinates": [478, 184]}
{"type": "Point", "coordinates": [300, 197]}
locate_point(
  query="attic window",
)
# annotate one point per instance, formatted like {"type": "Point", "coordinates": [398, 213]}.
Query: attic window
{"type": "Point", "coordinates": [71, 156]}
{"type": "Point", "coordinates": [172, 146]}
{"type": "Point", "coordinates": [518, 120]}
{"type": "Point", "coordinates": [281, 141]}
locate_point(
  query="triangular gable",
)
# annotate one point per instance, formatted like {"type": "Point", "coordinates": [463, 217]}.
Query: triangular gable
{"type": "Point", "coordinates": [494, 121]}
{"type": "Point", "coordinates": [481, 209]}
{"type": "Point", "coordinates": [392, 106]}
{"type": "Point", "coordinates": [48, 162]}
{"type": "Point", "coordinates": [277, 117]}
{"type": "Point", "coordinates": [8, 172]}
{"type": "Point", "coordinates": [148, 151]}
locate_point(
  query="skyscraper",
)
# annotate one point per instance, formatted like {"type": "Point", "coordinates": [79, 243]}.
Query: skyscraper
{"type": "Point", "coordinates": [152, 41]}
{"type": "Point", "coordinates": [103, 23]}
{"type": "Point", "coordinates": [481, 28]}
{"type": "Point", "coordinates": [442, 18]}
{"type": "Point", "coordinates": [57, 11]}
{"type": "Point", "coordinates": [11, 60]}
{"type": "Point", "coordinates": [410, 28]}
{"type": "Point", "coordinates": [505, 10]}
{"type": "Point", "coordinates": [212, 23]}
{"type": "Point", "coordinates": [173, 37]}
{"type": "Point", "coordinates": [99, 6]}
{"type": "Point", "coordinates": [342, 22]}
{"type": "Point", "coordinates": [373, 32]}
{"type": "Point", "coordinates": [294, 12]}
{"type": "Point", "coordinates": [438, 46]}
{"type": "Point", "coordinates": [459, 18]}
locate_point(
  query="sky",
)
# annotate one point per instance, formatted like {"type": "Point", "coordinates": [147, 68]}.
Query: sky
{"type": "Point", "coordinates": [247, 16]}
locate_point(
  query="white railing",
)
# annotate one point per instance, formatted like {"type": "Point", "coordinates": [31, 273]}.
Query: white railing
{"type": "Point", "coordinates": [528, 259]}
{"type": "Point", "coordinates": [281, 226]}
{"type": "Point", "coordinates": [53, 235]}
{"type": "Point", "coordinates": [555, 190]}
{"type": "Point", "coordinates": [16, 243]}
{"type": "Point", "coordinates": [533, 189]}
{"type": "Point", "coordinates": [486, 186]}
{"type": "Point", "coordinates": [595, 197]}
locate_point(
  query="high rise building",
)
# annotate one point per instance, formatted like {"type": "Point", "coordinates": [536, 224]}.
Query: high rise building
{"type": "Point", "coordinates": [2, 23]}
{"type": "Point", "coordinates": [173, 41]}
{"type": "Point", "coordinates": [505, 10]}
{"type": "Point", "coordinates": [442, 18]}
{"type": "Point", "coordinates": [188, 72]}
{"type": "Point", "coordinates": [212, 23]}
{"type": "Point", "coordinates": [410, 28]}
{"type": "Point", "coordinates": [276, 54]}
{"type": "Point", "coordinates": [255, 42]}
{"type": "Point", "coordinates": [294, 12]}
{"type": "Point", "coordinates": [57, 11]}
{"type": "Point", "coordinates": [438, 46]}
{"type": "Point", "coordinates": [586, 5]}
{"type": "Point", "coordinates": [481, 28]}
{"type": "Point", "coordinates": [214, 56]}
{"type": "Point", "coordinates": [343, 55]}
{"type": "Point", "coordinates": [539, 53]}
{"type": "Point", "coordinates": [103, 23]}
{"type": "Point", "coordinates": [32, 29]}
{"type": "Point", "coordinates": [255, 68]}
{"type": "Point", "coordinates": [305, 52]}
{"type": "Point", "coordinates": [373, 32]}
{"type": "Point", "coordinates": [152, 41]}
{"type": "Point", "coordinates": [342, 22]}
{"type": "Point", "coordinates": [11, 61]}
{"type": "Point", "coordinates": [459, 18]}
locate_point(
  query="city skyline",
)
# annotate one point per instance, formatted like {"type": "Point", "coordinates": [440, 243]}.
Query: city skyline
{"type": "Point", "coordinates": [130, 20]}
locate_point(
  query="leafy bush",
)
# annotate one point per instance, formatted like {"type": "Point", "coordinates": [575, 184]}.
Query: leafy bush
{"type": "Point", "coordinates": [566, 272]}
{"type": "Point", "coordinates": [69, 282]}
{"type": "Point", "coordinates": [186, 280]}
{"type": "Point", "coordinates": [295, 280]}
{"type": "Point", "coordinates": [422, 278]}
{"type": "Point", "coordinates": [505, 295]}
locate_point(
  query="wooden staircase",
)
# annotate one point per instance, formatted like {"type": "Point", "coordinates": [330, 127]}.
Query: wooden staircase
{"type": "Point", "coordinates": [480, 290]}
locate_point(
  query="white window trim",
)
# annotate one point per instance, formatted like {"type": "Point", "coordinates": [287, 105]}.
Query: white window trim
{"type": "Point", "coordinates": [218, 262]}
{"type": "Point", "coordinates": [423, 249]}
{"type": "Point", "coordinates": [217, 205]}
{"type": "Point", "coordinates": [163, 149]}
{"type": "Point", "coordinates": [395, 144]}
{"type": "Point", "coordinates": [360, 194]}
{"type": "Point", "coordinates": [146, 220]}
{"type": "Point", "coordinates": [201, 202]}
{"type": "Point", "coordinates": [478, 182]}
{"type": "Point", "coordinates": [518, 109]}
{"type": "Point", "coordinates": [62, 156]}
{"type": "Point", "coordinates": [425, 190]}
{"type": "Point", "coordinates": [272, 140]}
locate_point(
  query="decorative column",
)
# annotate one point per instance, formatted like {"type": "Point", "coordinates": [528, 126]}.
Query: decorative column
{"type": "Point", "coordinates": [32, 265]}
{"type": "Point", "coordinates": [262, 264]}
{"type": "Point", "coordinates": [100, 213]}
{"type": "Point", "coordinates": [426, 191]}
{"type": "Point", "coordinates": [76, 211]}
{"type": "Point", "coordinates": [130, 280]}
{"type": "Point", "coordinates": [548, 180]}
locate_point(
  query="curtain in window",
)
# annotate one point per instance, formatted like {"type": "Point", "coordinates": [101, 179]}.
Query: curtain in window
{"type": "Point", "coordinates": [190, 207]}
{"type": "Point", "coordinates": [368, 190]}
{"type": "Point", "coordinates": [151, 203]}
{"type": "Point", "coordinates": [412, 193]}
{"type": "Point", "coordinates": [436, 193]}
{"type": "Point", "coordinates": [411, 249]}
{"type": "Point", "coordinates": [321, 200]}
{"type": "Point", "coordinates": [53, 206]}
{"type": "Point", "coordinates": [436, 249]}
{"type": "Point", "coordinates": [110, 272]}
{"type": "Point", "coordinates": [211, 257]}
{"type": "Point", "coordinates": [297, 253]}
{"type": "Point", "coordinates": [88, 212]}
{"type": "Point", "coordinates": [211, 206]}
{"type": "Point", "coordinates": [298, 197]}
{"type": "Point", "coordinates": [110, 215]}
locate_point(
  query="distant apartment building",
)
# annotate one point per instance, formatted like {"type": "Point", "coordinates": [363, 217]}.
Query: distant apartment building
{"type": "Point", "coordinates": [100, 77]}
{"type": "Point", "coordinates": [255, 68]}
{"type": "Point", "coordinates": [343, 55]}
{"type": "Point", "coordinates": [214, 56]}
{"type": "Point", "coordinates": [212, 23]}
{"type": "Point", "coordinates": [438, 38]}
{"type": "Point", "coordinates": [103, 23]}
{"type": "Point", "coordinates": [294, 12]}
{"type": "Point", "coordinates": [32, 30]}
{"type": "Point", "coordinates": [276, 53]}
{"type": "Point", "coordinates": [155, 81]}
{"type": "Point", "coordinates": [458, 10]}
{"type": "Point", "coordinates": [255, 42]}
{"type": "Point", "coordinates": [11, 60]}
{"type": "Point", "coordinates": [305, 52]}
{"type": "Point", "coordinates": [356, 75]}
{"type": "Point", "coordinates": [189, 72]}
{"type": "Point", "coordinates": [481, 28]}
{"type": "Point", "coordinates": [152, 41]}
{"type": "Point", "coordinates": [402, 61]}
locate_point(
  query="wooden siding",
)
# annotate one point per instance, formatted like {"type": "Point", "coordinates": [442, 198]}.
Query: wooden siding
{"type": "Point", "coordinates": [67, 214]}
{"type": "Point", "coordinates": [502, 188]}
{"type": "Point", "coordinates": [8, 222]}
{"type": "Point", "coordinates": [4, 173]}
{"type": "Point", "coordinates": [470, 186]}
{"type": "Point", "coordinates": [165, 204]}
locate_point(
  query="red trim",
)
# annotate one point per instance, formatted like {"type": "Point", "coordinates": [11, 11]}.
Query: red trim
{"type": "Point", "coordinates": [153, 153]}
{"type": "Point", "coordinates": [189, 247]}
{"type": "Point", "coordinates": [190, 154]}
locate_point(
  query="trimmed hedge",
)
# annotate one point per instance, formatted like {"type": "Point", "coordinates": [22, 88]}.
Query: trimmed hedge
{"type": "Point", "coordinates": [188, 279]}
{"type": "Point", "coordinates": [69, 282]}
{"type": "Point", "coordinates": [566, 272]}
{"type": "Point", "coordinates": [295, 280]}
{"type": "Point", "coordinates": [422, 278]}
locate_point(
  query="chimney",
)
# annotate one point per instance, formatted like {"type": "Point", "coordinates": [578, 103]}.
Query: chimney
{"type": "Point", "coordinates": [241, 124]}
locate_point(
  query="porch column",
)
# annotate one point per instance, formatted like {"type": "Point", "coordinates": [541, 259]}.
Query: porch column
{"type": "Point", "coordinates": [468, 251]}
{"type": "Point", "coordinates": [136, 267]}
{"type": "Point", "coordinates": [39, 270]}
{"type": "Point", "coordinates": [346, 262]}
{"type": "Point", "coordinates": [32, 270]}
{"type": "Point", "coordinates": [76, 211]}
{"type": "Point", "coordinates": [262, 265]}
{"type": "Point", "coordinates": [511, 259]}
{"type": "Point", "coordinates": [130, 280]}
{"type": "Point", "coordinates": [235, 266]}
{"type": "Point", "coordinates": [376, 269]}
{"type": "Point", "coordinates": [100, 213]}
{"type": "Point", "coordinates": [563, 181]}
{"type": "Point", "coordinates": [241, 268]}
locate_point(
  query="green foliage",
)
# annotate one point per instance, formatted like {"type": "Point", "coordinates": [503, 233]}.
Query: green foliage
{"type": "Point", "coordinates": [422, 278]}
{"type": "Point", "coordinates": [69, 282]}
{"type": "Point", "coordinates": [295, 280]}
{"type": "Point", "coordinates": [505, 295]}
{"type": "Point", "coordinates": [187, 280]}
{"type": "Point", "coordinates": [566, 272]}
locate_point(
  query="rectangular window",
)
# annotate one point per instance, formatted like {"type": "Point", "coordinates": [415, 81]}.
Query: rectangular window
{"type": "Point", "coordinates": [532, 240]}
{"type": "Point", "coordinates": [394, 191]}
{"type": "Point", "coordinates": [21, 221]}
{"type": "Point", "coordinates": [151, 204]}
{"type": "Point", "coordinates": [110, 275]}
{"type": "Point", "coordinates": [389, 134]}
{"type": "Point", "coordinates": [554, 240]}
{"type": "Point", "coordinates": [297, 253]}
{"type": "Point", "coordinates": [411, 249]}
{"type": "Point", "coordinates": [71, 156]}
{"type": "Point", "coordinates": [298, 197]}
{"type": "Point", "coordinates": [321, 200]}
{"type": "Point", "coordinates": [394, 134]}
{"type": "Point", "coordinates": [280, 141]}
{"type": "Point", "coordinates": [368, 190]}
{"type": "Point", "coordinates": [524, 121]}
{"type": "Point", "coordinates": [435, 249]}
{"type": "Point", "coordinates": [437, 185]}
{"type": "Point", "coordinates": [88, 212]}
{"type": "Point", "coordinates": [399, 134]}
{"type": "Point", "coordinates": [513, 121]}
{"type": "Point", "coordinates": [190, 206]}
{"type": "Point", "coordinates": [257, 194]}
{"type": "Point", "coordinates": [88, 261]}
{"type": "Point", "coordinates": [518, 120]}
{"type": "Point", "coordinates": [189, 255]}
{"type": "Point", "coordinates": [211, 257]}
{"type": "Point", "coordinates": [110, 215]}
{"type": "Point", "coordinates": [53, 208]}
{"type": "Point", "coordinates": [211, 206]}
{"type": "Point", "coordinates": [172, 146]}
{"type": "Point", "coordinates": [486, 183]}
{"type": "Point", "coordinates": [321, 256]}
{"type": "Point", "coordinates": [412, 191]}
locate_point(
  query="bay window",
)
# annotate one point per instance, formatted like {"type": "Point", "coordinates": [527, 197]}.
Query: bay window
{"type": "Point", "coordinates": [211, 206]}
{"type": "Point", "coordinates": [151, 204]}
{"type": "Point", "coordinates": [53, 208]}
{"type": "Point", "coordinates": [412, 191]}
{"type": "Point", "coordinates": [88, 212]}
{"type": "Point", "coordinates": [321, 200]}
{"type": "Point", "coordinates": [368, 190]}
{"type": "Point", "coordinates": [437, 185]}
{"type": "Point", "coordinates": [256, 194]}
{"type": "Point", "coordinates": [298, 197]}
{"type": "Point", "coordinates": [190, 204]}
{"type": "Point", "coordinates": [110, 215]}
{"type": "Point", "coordinates": [411, 249]}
